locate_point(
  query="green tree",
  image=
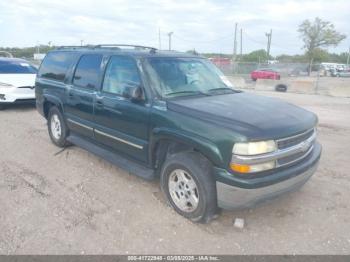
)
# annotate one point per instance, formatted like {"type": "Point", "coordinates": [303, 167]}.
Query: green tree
{"type": "Point", "coordinates": [318, 34]}
{"type": "Point", "coordinates": [256, 56]}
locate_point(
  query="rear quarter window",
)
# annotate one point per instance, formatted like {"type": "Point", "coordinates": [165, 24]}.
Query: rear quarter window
{"type": "Point", "coordinates": [56, 65]}
{"type": "Point", "coordinates": [88, 71]}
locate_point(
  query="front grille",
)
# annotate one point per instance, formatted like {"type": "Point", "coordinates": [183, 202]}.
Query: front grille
{"type": "Point", "coordinates": [293, 158]}
{"type": "Point", "coordinates": [294, 140]}
{"type": "Point", "coordinates": [304, 139]}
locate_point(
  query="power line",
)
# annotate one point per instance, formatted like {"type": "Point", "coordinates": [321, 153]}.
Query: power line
{"type": "Point", "coordinates": [203, 41]}
{"type": "Point", "coordinates": [262, 43]}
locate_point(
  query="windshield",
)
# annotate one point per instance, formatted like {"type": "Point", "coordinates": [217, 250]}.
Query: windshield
{"type": "Point", "coordinates": [16, 67]}
{"type": "Point", "coordinates": [172, 77]}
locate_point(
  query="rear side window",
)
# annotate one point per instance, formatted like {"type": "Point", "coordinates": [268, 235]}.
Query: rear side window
{"type": "Point", "coordinates": [56, 65]}
{"type": "Point", "coordinates": [88, 71]}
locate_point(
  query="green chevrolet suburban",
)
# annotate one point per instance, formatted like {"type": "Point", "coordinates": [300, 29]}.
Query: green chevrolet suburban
{"type": "Point", "coordinates": [174, 116]}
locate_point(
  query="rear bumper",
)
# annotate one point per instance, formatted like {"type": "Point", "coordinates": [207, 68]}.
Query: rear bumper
{"type": "Point", "coordinates": [240, 196]}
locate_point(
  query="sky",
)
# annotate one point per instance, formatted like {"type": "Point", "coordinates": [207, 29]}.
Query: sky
{"type": "Point", "coordinates": [203, 25]}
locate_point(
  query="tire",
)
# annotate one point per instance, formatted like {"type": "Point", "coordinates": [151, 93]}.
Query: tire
{"type": "Point", "coordinates": [57, 127]}
{"type": "Point", "coordinates": [281, 88]}
{"type": "Point", "coordinates": [2, 107]}
{"type": "Point", "coordinates": [195, 168]}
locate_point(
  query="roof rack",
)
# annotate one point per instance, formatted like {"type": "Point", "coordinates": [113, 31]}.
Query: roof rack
{"type": "Point", "coordinates": [152, 49]}
{"type": "Point", "coordinates": [74, 46]}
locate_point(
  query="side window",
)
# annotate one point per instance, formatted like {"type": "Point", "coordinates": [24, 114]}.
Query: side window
{"type": "Point", "coordinates": [88, 71]}
{"type": "Point", "coordinates": [120, 73]}
{"type": "Point", "coordinates": [56, 65]}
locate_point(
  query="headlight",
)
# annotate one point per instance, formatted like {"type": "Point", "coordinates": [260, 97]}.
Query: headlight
{"type": "Point", "coordinates": [251, 149]}
{"type": "Point", "coordinates": [254, 148]}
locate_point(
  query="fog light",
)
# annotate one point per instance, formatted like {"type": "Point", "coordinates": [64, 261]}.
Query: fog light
{"type": "Point", "coordinates": [2, 97]}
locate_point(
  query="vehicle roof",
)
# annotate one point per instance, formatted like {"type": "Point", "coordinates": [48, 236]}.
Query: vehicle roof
{"type": "Point", "coordinates": [147, 52]}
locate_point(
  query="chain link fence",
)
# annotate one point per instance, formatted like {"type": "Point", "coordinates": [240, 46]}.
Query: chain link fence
{"type": "Point", "coordinates": [284, 69]}
{"type": "Point", "coordinates": [324, 79]}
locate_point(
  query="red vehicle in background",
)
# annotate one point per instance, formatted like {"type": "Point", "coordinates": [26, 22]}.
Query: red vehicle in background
{"type": "Point", "coordinates": [265, 73]}
{"type": "Point", "coordinates": [220, 61]}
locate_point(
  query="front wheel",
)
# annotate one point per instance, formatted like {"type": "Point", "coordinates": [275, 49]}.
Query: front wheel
{"type": "Point", "coordinates": [187, 181]}
{"type": "Point", "coordinates": [57, 128]}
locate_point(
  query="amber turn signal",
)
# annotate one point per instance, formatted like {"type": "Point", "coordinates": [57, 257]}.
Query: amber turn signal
{"type": "Point", "coordinates": [240, 168]}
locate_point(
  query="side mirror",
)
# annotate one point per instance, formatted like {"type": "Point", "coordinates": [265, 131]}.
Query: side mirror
{"type": "Point", "coordinates": [133, 92]}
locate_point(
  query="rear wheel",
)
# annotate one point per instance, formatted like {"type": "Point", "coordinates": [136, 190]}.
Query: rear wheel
{"type": "Point", "coordinates": [2, 107]}
{"type": "Point", "coordinates": [187, 181]}
{"type": "Point", "coordinates": [57, 127]}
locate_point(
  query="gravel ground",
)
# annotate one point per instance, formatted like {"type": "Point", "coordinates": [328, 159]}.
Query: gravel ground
{"type": "Point", "coordinates": [72, 202]}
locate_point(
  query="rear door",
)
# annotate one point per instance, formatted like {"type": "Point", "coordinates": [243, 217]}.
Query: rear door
{"type": "Point", "coordinates": [81, 94]}
{"type": "Point", "coordinates": [120, 123]}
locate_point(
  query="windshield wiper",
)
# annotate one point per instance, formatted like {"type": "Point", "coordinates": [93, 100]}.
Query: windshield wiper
{"type": "Point", "coordinates": [222, 89]}
{"type": "Point", "coordinates": [190, 92]}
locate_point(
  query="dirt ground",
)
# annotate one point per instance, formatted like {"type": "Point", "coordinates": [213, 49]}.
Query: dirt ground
{"type": "Point", "coordinates": [72, 202]}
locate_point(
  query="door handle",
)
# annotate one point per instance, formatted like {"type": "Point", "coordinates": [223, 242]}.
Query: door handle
{"type": "Point", "coordinates": [99, 104]}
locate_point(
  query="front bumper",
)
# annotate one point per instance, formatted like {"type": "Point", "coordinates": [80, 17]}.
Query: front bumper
{"type": "Point", "coordinates": [239, 193]}
{"type": "Point", "coordinates": [13, 95]}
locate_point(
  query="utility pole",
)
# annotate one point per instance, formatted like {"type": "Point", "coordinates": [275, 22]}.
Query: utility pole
{"type": "Point", "coordinates": [235, 44]}
{"type": "Point", "coordinates": [159, 40]}
{"type": "Point", "coordinates": [81, 42]}
{"type": "Point", "coordinates": [241, 45]}
{"type": "Point", "coordinates": [269, 36]}
{"type": "Point", "coordinates": [169, 35]}
{"type": "Point", "coordinates": [348, 60]}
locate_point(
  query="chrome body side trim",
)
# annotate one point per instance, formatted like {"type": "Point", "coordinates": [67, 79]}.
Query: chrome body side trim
{"type": "Point", "coordinates": [118, 139]}
{"type": "Point", "coordinates": [105, 134]}
{"type": "Point", "coordinates": [79, 124]}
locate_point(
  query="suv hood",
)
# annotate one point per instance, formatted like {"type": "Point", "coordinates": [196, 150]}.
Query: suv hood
{"type": "Point", "coordinates": [18, 80]}
{"type": "Point", "coordinates": [256, 117]}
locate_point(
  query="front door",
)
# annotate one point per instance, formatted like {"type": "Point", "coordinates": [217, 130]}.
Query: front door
{"type": "Point", "coordinates": [81, 94]}
{"type": "Point", "coordinates": [120, 123]}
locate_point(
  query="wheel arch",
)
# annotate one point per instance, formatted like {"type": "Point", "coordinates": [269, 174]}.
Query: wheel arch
{"type": "Point", "coordinates": [50, 101]}
{"type": "Point", "coordinates": [165, 141]}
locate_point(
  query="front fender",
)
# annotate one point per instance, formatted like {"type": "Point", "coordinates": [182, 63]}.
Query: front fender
{"type": "Point", "coordinates": [203, 145]}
